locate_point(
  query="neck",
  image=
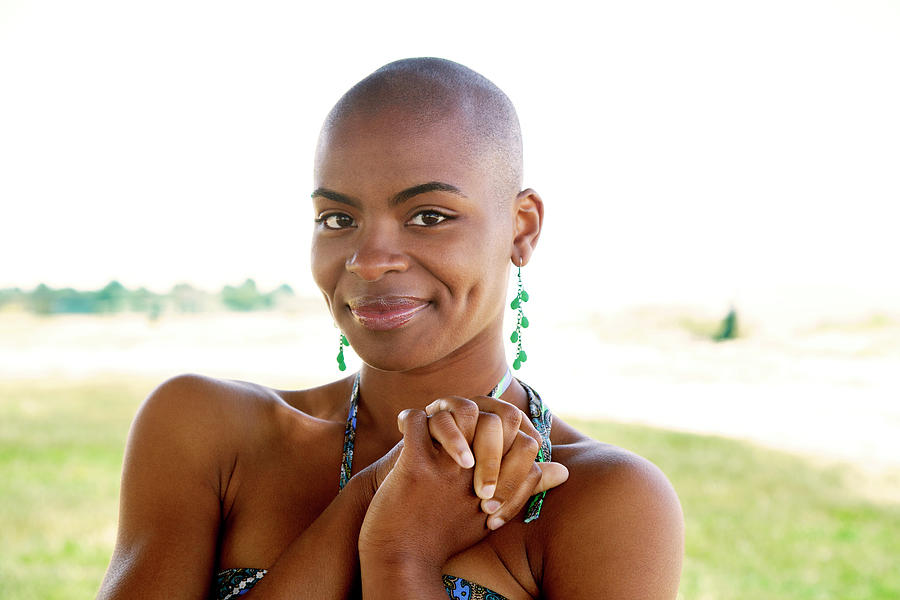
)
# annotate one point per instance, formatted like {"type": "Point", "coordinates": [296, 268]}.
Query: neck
{"type": "Point", "coordinates": [469, 372]}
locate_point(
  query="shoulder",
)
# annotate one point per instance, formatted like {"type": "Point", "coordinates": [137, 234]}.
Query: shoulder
{"type": "Point", "coordinates": [177, 467]}
{"type": "Point", "coordinates": [615, 527]}
{"type": "Point", "coordinates": [181, 476]}
{"type": "Point", "coordinates": [212, 419]}
{"type": "Point", "coordinates": [604, 468]}
{"type": "Point", "coordinates": [197, 399]}
{"type": "Point", "coordinates": [203, 421]}
{"type": "Point", "coordinates": [195, 409]}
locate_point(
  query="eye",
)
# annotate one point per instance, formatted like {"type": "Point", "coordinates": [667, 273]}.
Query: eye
{"type": "Point", "coordinates": [336, 221]}
{"type": "Point", "coordinates": [428, 218]}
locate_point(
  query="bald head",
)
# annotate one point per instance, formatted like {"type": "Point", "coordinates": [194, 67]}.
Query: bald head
{"type": "Point", "coordinates": [434, 93]}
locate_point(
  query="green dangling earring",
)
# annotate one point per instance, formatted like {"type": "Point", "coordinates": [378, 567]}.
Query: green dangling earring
{"type": "Point", "coordinates": [521, 322]}
{"type": "Point", "coordinates": [340, 357]}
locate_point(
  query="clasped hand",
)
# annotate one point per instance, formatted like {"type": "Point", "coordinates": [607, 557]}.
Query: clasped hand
{"type": "Point", "coordinates": [464, 467]}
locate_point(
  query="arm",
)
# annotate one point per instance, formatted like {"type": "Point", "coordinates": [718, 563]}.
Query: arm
{"type": "Point", "coordinates": [169, 500]}
{"type": "Point", "coordinates": [620, 535]}
{"type": "Point", "coordinates": [424, 512]}
{"type": "Point", "coordinates": [519, 477]}
{"type": "Point", "coordinates": [427, 509]}
{"type": "Point", "coordinates": [323, 561]}
{"type": "Point", "coordinates": [173, 481]}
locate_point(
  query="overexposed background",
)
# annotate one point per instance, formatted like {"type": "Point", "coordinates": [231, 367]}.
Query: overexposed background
{"type": "Point", "coordinates": [692, 156]}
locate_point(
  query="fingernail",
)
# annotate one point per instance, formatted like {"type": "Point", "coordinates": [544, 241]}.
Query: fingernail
{"type": "Point", "coordinates": [487, 491]}
{"type": "Point", "coordinates": [495, 523]}
{"type": "Point", "coordinates": [467, 460]}
{"type": "Point", "coordinates": [491, 506]}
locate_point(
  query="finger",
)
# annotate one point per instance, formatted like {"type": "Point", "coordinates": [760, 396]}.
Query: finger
{"type": "Point", "coordinates": [413, 424]}
{"type": "Point", "coordinates": [488, 449]}
{"type": "Point", "coordinates": [443, 429]}
{"type": "Point", "coordinates": [464, 411]}
{"type": "Point", "coordinates": [518, 477]}
{"type": "Point", "coordinates": [513, 419]}
{"type": "Point", "coordinates": [552, 475]}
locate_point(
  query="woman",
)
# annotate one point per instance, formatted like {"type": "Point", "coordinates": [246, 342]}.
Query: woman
{"type": "Point", "coordinates": [418, 218]}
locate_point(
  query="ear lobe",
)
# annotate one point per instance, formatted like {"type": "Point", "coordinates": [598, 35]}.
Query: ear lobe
{"type": "Point", "coordinates": [529, 219]}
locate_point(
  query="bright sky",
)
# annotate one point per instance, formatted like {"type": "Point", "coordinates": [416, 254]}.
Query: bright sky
{"type": "Point", "coordinates": [699, 151]}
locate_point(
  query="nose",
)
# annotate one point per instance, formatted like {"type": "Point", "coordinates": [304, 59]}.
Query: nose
{"type": "Point", "coordinates": [378, 253]}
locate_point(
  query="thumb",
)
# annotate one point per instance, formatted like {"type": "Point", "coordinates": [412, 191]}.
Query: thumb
{"type": "Point", "coordinates": [552, 475]}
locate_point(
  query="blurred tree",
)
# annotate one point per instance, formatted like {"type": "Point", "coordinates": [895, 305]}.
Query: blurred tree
{"type": "Point", "coordinates": [111, 299]}
{"type": "Point", "coordinates": [141, 300]}
{"type": "Point", "coordinates": [13, 298]}
{"type": "Point", "coordinates": [40, 300]}
{"type": "Point", "coordinates": [69, 300]}
{"type": "Point", "coordinates": [155, 310]}
{"type": "Point", "coordinates": [728, 328]}
{"type": "Point", "coordinates": [244, 297]}
{"type": "Point", "coordinates": [281, 297]}
{"type": "Point", "coordinates": [186, 298]}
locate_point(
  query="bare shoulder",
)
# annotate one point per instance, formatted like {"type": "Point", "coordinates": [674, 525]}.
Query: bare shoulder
{"type": "Point", "coordinates": [598, 467]}
{"type": "Point", "coordinates": [615, 528]}
{"type": "Point", "coordinates": [192, 392]}
{"type": "Point", "coordinates": [179, 460]}
{"type": "Point", "coordinates": [191, 403]}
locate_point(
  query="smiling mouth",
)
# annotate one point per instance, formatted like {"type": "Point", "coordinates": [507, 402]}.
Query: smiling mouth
{"type": "Point", "coordinates": [383, 313]}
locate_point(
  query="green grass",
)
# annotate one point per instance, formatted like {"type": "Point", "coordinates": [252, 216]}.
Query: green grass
{"type": "Point", "coordinates": [766, 524]}
{"type": "Point", "coordinates": [61, 448]}
{"type": "Point", "coordinates": [760, 524]}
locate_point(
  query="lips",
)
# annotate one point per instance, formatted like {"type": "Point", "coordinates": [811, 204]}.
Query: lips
{"type": "Point", "coordinates": [383, 313]}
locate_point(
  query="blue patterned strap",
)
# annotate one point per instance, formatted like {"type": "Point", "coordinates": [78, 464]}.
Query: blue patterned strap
{"type": "Point", "coordinates": [231, 583]}
{"type": "Point", "coordinates": [237, 582]}
{"type": "Point", "coordinates": [460, 589]}
{"type": "Point", "coordinates": [349, 435]}
{"type": "Point", "coordinates": [542, 420]}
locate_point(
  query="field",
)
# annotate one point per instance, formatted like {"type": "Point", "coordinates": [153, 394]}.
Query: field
{"type": "Point", "coordinates": [760, 523]}
{"type": "Point", "coordinates": [800, 501]}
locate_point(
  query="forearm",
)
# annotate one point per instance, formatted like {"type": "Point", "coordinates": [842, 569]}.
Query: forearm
{"type": "Point", "coordinates": [323, 562]}
{"type": "Point", "coordinates": [387, 579]}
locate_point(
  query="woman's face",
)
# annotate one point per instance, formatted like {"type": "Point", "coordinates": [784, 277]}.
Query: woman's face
{"type": "Point", "coordinates": [412, 240]}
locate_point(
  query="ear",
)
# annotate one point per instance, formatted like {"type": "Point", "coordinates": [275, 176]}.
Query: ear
{"type": "Point", "coordinates": [528, 210]}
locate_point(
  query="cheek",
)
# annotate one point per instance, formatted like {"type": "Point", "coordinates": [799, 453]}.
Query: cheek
{"type": "Point", "coordinates": [323, 265]}
{"type": "Point", "coordinates": [476, 275]}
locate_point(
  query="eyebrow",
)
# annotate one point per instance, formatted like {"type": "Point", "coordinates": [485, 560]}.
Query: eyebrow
{"type": "Point", "coordinates": [397, 199]}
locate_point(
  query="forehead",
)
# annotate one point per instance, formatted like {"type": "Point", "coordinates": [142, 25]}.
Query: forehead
{"type": "Point", "coordinates": [396, 148]}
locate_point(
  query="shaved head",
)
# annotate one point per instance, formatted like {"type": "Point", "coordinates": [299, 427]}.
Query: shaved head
{"type": "Point", "coordinates": [432, 92]}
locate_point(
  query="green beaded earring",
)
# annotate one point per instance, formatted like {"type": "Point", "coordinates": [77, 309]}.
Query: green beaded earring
{"type": "Point", "coordinates": [340, 357]}
{"type": "Point", "coordinates": [521, 322]}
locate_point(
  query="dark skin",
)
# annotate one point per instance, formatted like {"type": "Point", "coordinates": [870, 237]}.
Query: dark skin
{"type": "Point", "coordinates": [257, 468]}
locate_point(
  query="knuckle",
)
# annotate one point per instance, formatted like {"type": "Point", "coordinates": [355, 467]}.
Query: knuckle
{"type": "Point", "coordinates": [443, 417]}
{"type": "Point", "coordinates": [532, 479]}
{"type": "Point", "coordinates": [490, 420]}
{"type": "Point", "coordinates": [437, 423]}
{"type": "Point", "coordinates": [510, 415]}
{"type": "Point", "coordinates": [528, 444]}
{"type": "Point", "coordinates": [534, 475]}
{"type": "Point", "coordinates": [467, 408]}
